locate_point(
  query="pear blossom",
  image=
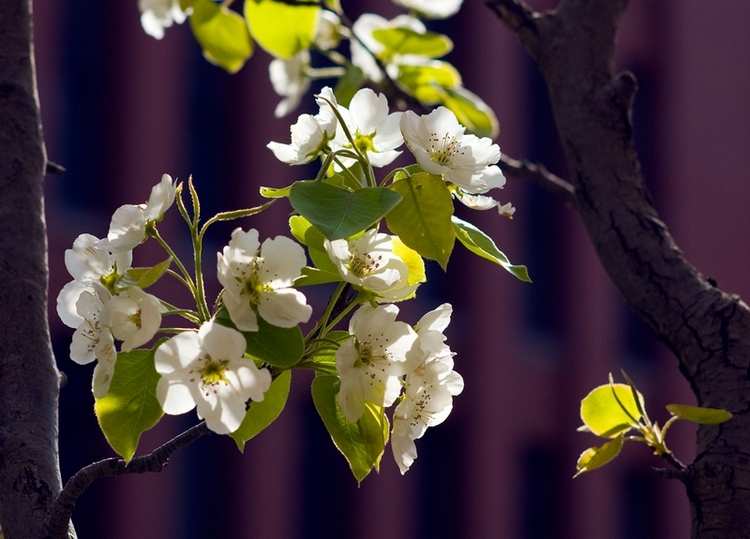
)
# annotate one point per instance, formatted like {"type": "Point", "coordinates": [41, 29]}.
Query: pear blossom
{"type": "Point", "coordinates": [128, 226]}
{"type": "Point", "coordinates": [369, 262]}
{"type": "Point", "coordinates": [310, 135]}
{"type": "Point", "coordinates": [88, 263]}
{"type": "Point", "coordinates": [433, 9]}
{"type": "Point", "coordinates": [290, 79]}
{"type": "Point", "coordinates": [427, 401]}
{"type": "Point", "coordinates": [481, 202]}
{"type": "Point", "coordinates": [375, 132]}
{"type": "Point", "coordinates": [365, 45]}
{"type": "Point", "coordinates": [371, 362]}
{"type": "Point", "coordinates": [258, 280]}
{"type": "Point", "coordinates": [156, 15]}
{"type": "Point", "coordinates": [430, 387]}
{"type": "Point", "coordinates": [440, 146]}
{"type": "Point", "coordinates": [91, 340]}
{"type": "Point", "coordinates": [133, 317]}
{"type": "Point", "coordinates": [328, 34]}
{"type": "Point", "coordinates": [208, 369]}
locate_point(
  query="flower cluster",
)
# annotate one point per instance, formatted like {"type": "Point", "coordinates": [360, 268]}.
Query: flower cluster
{"type": "Point", "coordinates": [437, 141]}
{"type": "Point", "coordinates": [382, 356]}
{"type": "Point", "coordinates": [100, 302]}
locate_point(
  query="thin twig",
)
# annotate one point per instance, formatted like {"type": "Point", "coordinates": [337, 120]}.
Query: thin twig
{"type": "Point", "coordinates": [76, 485]}
{"type": "Point", "coordinates": [527, 170]}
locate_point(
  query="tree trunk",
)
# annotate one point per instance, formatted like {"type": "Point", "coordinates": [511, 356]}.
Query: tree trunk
{"type": "Point", "coordinates": [29, 470]}
{"type": "Point", "coordinates": [707, 329]}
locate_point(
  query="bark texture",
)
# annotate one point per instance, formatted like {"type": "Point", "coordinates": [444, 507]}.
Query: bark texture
{"type": "Point", "coordinates": [29, 472]}
{"type": "Point", "coordinates": [707, 329]}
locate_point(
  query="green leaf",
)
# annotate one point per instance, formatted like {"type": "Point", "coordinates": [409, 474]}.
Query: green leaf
{"type": "Point", "coordinates": [261, 414]}
{"type": "Point", "coordinates": [282, 29]}
{"type": "Point", "coordinates": [314, 276]}
{"type": "Point", "coordinates": [222, 33]}
{"type": "Point", "coordinates": [145, 277]}
{"type": "Point", "coordinates": [362, 443]}
{"type": "Point", "coordinates": [407, 41]}
{"type": "Point", "coordinates": [274, 192]}
{"type": "Point", "coordinates": [313, 239]}
{"type": "Point", "coordinates": [337, 212]}
{"type": "Point", "coordinates": [471, 111]}
{"type": "Point", "coordinates": [423, 217]}
{"type": "Point", "coordinates": [699, 414]}
{"type": "Point", "coordinates": [348, 85]}
{"type": "Point", "coordinates": [426, 82]}
{"type": "Point", "coordinates": [130, 407]}
{"type": "Point", "coordinates": [327, 356]}
{"type": "Point", "coordinates": [604, 415]}
{"type": "Point", "coordinates": [482, 245]}
{"type": "Point", "coordinates": [596, 457]}
{"type": "Point", "coordinates": [280, 347]}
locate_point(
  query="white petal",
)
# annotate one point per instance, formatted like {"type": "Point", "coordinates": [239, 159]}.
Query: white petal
{"type": "Point", "coordinates": [174, 395]}
{"type": "Point", "coordinates": [283, 260]}
{"type": "Point", "coordinates": [221, 342]}
{"type": "Point", "coordinates": [436, 320]}
{"type": "Point", "coordinates": [162, 197]}
{"type": "Point", "coordinates": [284, 308]}
{"type": "Point", "coordinates": [177, 353]}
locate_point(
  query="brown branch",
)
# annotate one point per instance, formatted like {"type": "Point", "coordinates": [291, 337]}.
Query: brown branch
{"type": "Point", "coordinates": [537, 173]}
{"type": "Point", "coordinates": [76, 485]}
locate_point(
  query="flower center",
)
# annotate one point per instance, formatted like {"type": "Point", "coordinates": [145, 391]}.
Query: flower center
{"type": "Point", "coordinates": [363, 143]}
{"type": "Point", "coordinates": [213, 371]}
{"type": "Point", "coordinates": [362, 265]}
{"type": "Point", "coordinates": [443, 151]}
{"type": "Point", "coordinates": [252, 287]}
{"type": "Point", "coordinates": [135, 319]}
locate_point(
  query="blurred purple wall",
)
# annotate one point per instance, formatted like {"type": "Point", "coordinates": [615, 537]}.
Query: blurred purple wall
{"type": "Point", "coordinates": [121, 108]}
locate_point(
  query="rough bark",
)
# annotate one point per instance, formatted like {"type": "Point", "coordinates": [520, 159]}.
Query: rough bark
{"type": "Point", "coordinates": [707, 329]}
{"type": "Point", "coordinates": [29, 472]}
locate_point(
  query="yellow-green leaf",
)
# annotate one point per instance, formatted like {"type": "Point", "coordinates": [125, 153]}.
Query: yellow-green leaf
{"type": "Point", "coordinates": [222, 33]}
{"type": "Point", "coordinates": [130, 407]}
{"type": "Point", "coordinates": [425, 82]}
{"type": "Point", "coordinates": [699, 414]}
{"type": "Point", "coordinates": [282, 29]}
{"type": "Point", "coordinates": [309, 236]}
{"type": "Point", "coordinates": [471, 111]}
{"type": "Point", "coordinates": [423, 217]}
{"type": "Point", "coordinates": [610, 410]}
{"type": "Point", "coordinates": [596, 457]}
{"type": "Point", "coordinates": [261, 414]}
{"type": "Point", "coordinates": [145, 277]}
{"type": "Point", "coordinates": [482, 245]}
{"type": "Point", "coordinates": [362, 443]}
{"type": "Point", "coordinates": [407, 41]}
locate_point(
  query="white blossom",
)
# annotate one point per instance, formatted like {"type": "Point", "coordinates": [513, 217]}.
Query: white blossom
{"type": "Point", "coordinates": [208, 369]}
{"type": "Point", "coordinates": [430, 387]}
{"type": "Point", "coordinates": [481, 202]}
{"type": "Point", "coordinates": [369, 262]}
{"type": "Point", "coordinates": [440, 146]}
{"type": "Point", "coordinates": [290, 79]}
{"type": "Point", "coordinates": [328, 34]}
{"type": "Point", "coordinates": [372, 360]}
{"type": "Point", "coordinates": [433, 9]}
{"type": "Point", "coordinates": [376, 133]}
{"type": "Point", "coordinates": [310, 135]}
{"type": "Point", "coordinates": [127, 228]}
{"type": "Point", "coordinates": [258, 280]}
{"type": "Point", "coordinates": [156, 15]}
{"type": "Point", "coordinates": [133, 317]}
{"type": "Point", "coordinates": [428, 400]}
{"type": "Point", "coordinates": [91, 340]}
